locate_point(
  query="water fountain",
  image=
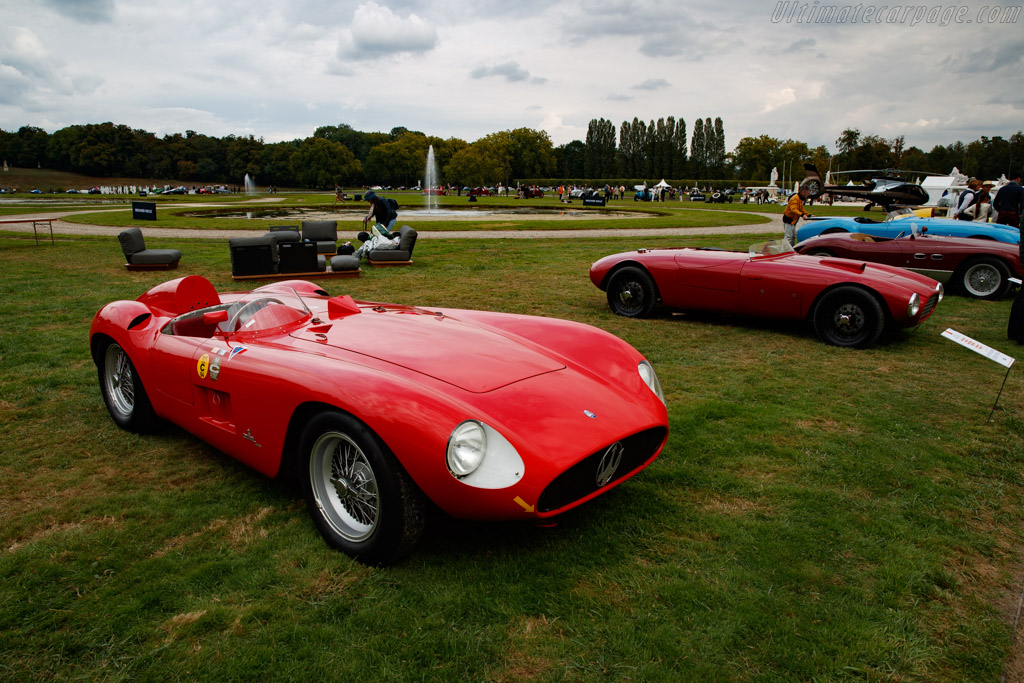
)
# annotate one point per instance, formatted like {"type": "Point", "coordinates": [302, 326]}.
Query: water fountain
{"type": "Point", "coordinates": [430, 179]}
{"type": "Point", "coordinates": [250, 184]}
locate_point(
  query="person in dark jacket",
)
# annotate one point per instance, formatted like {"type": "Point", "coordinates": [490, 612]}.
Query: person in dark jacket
{"type": "Point", "coordinates": [1015, 328]}
{"type": "Point", "coordinates": [1008, 202]}
{"type": "Point", "coordinates": [382, 210]}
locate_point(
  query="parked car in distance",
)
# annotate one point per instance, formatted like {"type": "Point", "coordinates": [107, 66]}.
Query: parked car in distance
{"type": "Point", "coordinates": [377, 408]}
{"type": "Point", "coordinates": [849, 303]}
{"type": "Point", "coordinates": [977, 268]}
{"type": "Point", "coordinates": [898, 221]}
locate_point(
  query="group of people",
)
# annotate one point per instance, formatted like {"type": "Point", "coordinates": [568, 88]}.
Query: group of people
{"type": "Point", "coordinates": [976, 203]}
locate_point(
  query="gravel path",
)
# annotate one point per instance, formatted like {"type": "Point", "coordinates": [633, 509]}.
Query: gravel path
{"type": "Point", "coordinates": [23, 223]}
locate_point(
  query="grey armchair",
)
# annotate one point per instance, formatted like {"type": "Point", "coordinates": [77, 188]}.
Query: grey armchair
{"type": "Point", "coordinates": [396, 257]}
{"type": "Point", "coordinates": [137, 257]}
{"type": "Point", "coordinates": [323, 233]}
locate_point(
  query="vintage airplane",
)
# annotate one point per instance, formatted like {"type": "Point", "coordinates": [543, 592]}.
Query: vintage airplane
{"type": "Point", "coordinates": [886, 191]}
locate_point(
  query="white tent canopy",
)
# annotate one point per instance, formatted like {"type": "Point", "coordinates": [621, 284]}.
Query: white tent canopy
{"type": "Point", "coordinates": [662, 184]}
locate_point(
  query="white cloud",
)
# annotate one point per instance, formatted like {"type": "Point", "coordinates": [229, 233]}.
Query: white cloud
{"type": "Point", "coordinates": [779, 98]}
{"type": "Point", "coordinates": [377, 32]}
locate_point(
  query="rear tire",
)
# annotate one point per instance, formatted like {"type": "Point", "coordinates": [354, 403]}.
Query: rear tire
{"type": "Point", "coordinates": [984, 278]}
{"type": "Point", "coordinates": [360, 498]}
{"type": "Point", "coordinates": [821, 252]}
{"type": "Point", "coordinates": [631, 292]}
{"type": "Point", "coordinates": [126, 398]}
{"type": "Point", "coordinates": [848, 316]}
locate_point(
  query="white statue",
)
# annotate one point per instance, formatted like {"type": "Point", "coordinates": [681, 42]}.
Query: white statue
{"type": "Point", "coordinates": [774, 177]}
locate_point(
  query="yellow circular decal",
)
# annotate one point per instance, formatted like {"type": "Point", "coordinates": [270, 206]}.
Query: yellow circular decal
{"type": "Point", "coordinates": [203, 365]}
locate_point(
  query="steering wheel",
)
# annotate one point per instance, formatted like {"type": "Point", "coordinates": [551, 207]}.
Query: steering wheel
{"type": "Point", "coordinates": [245, 313]}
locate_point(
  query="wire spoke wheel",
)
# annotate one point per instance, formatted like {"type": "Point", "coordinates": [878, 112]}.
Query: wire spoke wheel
{"type": "Point", "coordinates": [119, 380]}
{"type": "Point", "coordinates": [985, 278]}
{"type": "Point", "coordinates": [345, 486]}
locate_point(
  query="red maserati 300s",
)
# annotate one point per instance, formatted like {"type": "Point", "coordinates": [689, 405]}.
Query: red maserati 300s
{"type": "Point", "coordinates": [377, 407]}
{"type": "Point", "coordinates": [849, 302]}
{"type": "Point", "coordinates": [978, 268]}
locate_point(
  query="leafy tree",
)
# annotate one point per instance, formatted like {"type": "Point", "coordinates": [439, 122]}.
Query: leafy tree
{"type": "Point", "coordinates": [716, 148]}
{"type": "Point", "coordinates": [599, 153]}
{"type": "Point", "coordinates": [401, 162]}
{"type": "Point", "coordinates": [358, 142]}
{"type": "Point", "coordinates": [680, 165]}
{"type": "Point", "coordinates": [569, 160]}
{"type": "Point", "coordinates": [320, 163]}
{"type": "Point", "coordinates": [275, 162]}
{"type": "Point", "coordinates": [698, 150]}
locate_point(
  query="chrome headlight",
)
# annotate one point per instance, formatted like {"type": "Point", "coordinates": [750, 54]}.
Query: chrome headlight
{"type": "Point", "coordinates": [479, 456]}
{"type": "Point", "coordinates": [466, 448]}
{"type": "Point", "coordinates": [914, 307]}
{"type": "Point", "coordinates": [649, 377]}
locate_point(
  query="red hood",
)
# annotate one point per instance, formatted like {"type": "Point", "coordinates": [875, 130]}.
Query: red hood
{"type": "Point", "coordinates": [467, 356]}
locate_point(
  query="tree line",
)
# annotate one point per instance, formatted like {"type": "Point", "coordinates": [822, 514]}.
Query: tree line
{"type": "Point", "coordinates": [348, 157]}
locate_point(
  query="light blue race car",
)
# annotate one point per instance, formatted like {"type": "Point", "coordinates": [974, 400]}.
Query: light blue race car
{"type": "Point", "coordinates": [898, 222]}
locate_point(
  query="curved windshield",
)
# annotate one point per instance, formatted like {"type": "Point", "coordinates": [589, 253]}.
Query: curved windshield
{"type": "Point", "coordinates": [267, 309]}
{"type": "Point", "coordinates": [899, 214]}
{"type": "Point", "coordinates": [770, 248]}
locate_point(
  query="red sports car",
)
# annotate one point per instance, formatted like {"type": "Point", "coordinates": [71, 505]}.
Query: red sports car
{"type": "Point", "coordinates": [849, 302]}
{"type": "Point", "coordinates": [377, 407]}
{"type": "Point", "coordinates": [978, 268]}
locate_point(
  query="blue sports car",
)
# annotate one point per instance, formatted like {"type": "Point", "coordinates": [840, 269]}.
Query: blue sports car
{"type": "Point", "coordinates": [898, 222]}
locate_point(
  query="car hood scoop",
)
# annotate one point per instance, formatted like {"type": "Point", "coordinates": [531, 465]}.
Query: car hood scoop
{"type": "Point", "coordinates": [845, 264]}
{"type": "Point", "coordinates": [461, 354]}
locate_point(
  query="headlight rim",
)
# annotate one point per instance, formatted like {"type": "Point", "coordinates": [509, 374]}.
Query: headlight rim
{"type": "Point", "coordinates": [914, 305]}
{"type": "Point", "coordinates": [653, 383]}
{"type": "Point", "coordinates": [457, 465]}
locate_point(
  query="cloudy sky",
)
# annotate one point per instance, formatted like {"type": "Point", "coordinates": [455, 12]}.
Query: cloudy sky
{"type": "Point", "coordinates": [278, 70]}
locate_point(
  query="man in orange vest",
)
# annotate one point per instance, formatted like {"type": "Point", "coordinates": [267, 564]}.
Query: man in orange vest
{"type": "Point", "coordinates": [794, 211]}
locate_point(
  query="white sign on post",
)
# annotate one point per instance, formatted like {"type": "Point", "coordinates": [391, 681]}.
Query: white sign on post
{"type": "Point", "coordinates": [988, 352]}
{"type": "Point", "coordinates": [978, 347]}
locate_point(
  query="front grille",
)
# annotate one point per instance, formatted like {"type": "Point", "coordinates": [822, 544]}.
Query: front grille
{"type": "Point", "coordinates": [581, 479]}
{"type": "Point", "coordinates": [929, 306]}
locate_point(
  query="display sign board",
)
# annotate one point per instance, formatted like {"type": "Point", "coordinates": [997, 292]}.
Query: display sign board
{"type": "Point", "coordinates": [144, 211]}
{"type": "Point", "coordinates": [593, 201]}
{"type": "Point", "coordinates": [978, 347]}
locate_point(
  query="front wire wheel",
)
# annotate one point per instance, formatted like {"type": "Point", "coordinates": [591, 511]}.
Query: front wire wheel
{"type": "Point", "coordinates": [359, 496]}
{"type": "Point", "coordinates": [123, 393]}
{"type": "Point", "coordinates": [345, 486]}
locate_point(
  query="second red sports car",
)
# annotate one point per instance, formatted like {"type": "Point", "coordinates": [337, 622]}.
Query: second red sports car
{"type": "Point", "coordinates": [849, 302]}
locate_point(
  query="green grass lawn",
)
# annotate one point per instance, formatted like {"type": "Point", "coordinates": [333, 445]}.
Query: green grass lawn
{"type": "Point", "coordinates": [818, 513]}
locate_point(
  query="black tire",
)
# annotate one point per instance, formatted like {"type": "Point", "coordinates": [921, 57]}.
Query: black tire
{"type": "Point", "coordinates": [984, 277]}
{"type": "Point", "coordinates": [631, 292]}
{"type": "Point", "coordinates": [833, 231]}
{"type": "Point", "coordinates": [820, 252]}
{"type": "Point", "coordinates": [123, 393]}
{"type": "Point", "coordinates": [848, 316]}
{"type": "Point", "coordinates": [361, 500]}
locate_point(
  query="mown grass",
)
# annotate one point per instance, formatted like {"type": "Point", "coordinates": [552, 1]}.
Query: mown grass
{"type": "Point", "coordinates": [818, 513]}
